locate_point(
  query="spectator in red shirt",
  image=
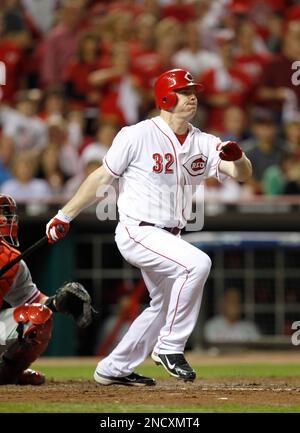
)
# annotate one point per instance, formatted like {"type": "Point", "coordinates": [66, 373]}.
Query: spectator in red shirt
{"type": "Point", "coordinates": [167, 39]}
{"type": "Point", "coordinates": [60, 44]}
{"type": "Point", "coordinates": [118, 86]}
{"type": "Point", "coordinates": [142, 48]}
{"type": "Point", "coordinates": [251, 56]}
{"type": "Point", "coordinates": [118, 29]}
{"type": "Point", "coordinates": [179, 9]}
{"type": "Point", "coordinates": [12, 56]}
{"type": "Point", "coordinates": [165, 50]}
{"type": "Point", "coordinates": [96, 18]}
{"type": "Point", "coordinates": [224, 86]}
{"type": "Point", "coordinates": [278, 92]}
{"type": "Point", "coordinates": [78, 90]}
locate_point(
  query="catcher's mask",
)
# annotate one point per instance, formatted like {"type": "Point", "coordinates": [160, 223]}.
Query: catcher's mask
{"type": "Point", "coordinates": [168, 82]}
{"type": "Point", "coordinates": [8, 220]}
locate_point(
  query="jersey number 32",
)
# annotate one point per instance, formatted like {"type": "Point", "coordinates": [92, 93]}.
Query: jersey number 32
{"type": "Point", "coordinates": [163, 163]}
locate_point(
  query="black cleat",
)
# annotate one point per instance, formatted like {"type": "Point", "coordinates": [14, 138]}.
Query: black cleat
{"type": "Point", "coordinates": [176, 365]}
{"type": "Point", "coordinates": [132, 379]}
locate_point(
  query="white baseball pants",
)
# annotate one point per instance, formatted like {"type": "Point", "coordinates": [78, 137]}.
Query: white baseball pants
{"type": "Point", "coordinates": [8, 328]}
{"type": "Point", "coordinates": [174, 272]}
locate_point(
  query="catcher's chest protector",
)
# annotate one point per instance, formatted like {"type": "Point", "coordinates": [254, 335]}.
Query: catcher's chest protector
{"type": "Point", "coordinates": [7, 253]}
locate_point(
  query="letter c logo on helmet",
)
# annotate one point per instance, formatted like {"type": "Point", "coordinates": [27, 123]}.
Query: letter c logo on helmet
{"type": "Point", "coordinates": [168, 82]}
{"type": "Point", "coordinates": [188, 76]}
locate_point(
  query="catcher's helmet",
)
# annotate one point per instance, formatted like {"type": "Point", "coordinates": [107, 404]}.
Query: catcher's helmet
{"type": "Point", "coordinates": [8, 220]}
{"type": "Point", "coordinates": [168, 82]}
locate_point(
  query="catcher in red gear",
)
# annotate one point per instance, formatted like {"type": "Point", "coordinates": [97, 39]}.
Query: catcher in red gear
{"type": "Point", "coordinates": [25, 328]}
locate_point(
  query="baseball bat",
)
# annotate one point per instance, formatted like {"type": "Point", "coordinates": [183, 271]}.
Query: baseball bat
{"type": "Point", "coordinates": [29, 250]}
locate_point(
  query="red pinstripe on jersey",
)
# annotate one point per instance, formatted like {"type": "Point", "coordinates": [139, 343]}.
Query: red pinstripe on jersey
{"type": "Point", "coordinates": [109, 169]}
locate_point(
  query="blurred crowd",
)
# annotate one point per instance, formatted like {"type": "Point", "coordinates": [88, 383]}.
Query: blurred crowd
{"type": "Point", "coordinates": [79, 70]}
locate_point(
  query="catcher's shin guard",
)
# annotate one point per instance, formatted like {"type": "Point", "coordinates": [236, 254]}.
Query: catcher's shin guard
{"type": "Point", "coordinates": [23, 351]}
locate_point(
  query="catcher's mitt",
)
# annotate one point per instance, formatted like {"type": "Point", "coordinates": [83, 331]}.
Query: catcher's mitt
{"type": "Point", "coordinates": [72, 298]}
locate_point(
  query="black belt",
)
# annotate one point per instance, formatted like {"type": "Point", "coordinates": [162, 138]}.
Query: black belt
{"type": "Point", "coordinates": [173, 230]}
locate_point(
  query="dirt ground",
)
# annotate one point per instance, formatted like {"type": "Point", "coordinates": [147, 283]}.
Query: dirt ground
{"type": "Point", "coordinates": [281, 391]}
{"type": "Point", "coordinates": [255, 391]}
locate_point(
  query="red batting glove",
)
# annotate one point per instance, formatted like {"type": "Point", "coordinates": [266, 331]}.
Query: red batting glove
{"type": "Point", "coordinates": [229, 151]}
{"type": "Point", "coordinates": [58, 227]}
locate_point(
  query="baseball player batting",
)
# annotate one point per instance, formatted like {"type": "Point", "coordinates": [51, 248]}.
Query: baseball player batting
{"type": "Point", "coordinates": [25, 328]}
{"type": "Point", "coordinates": [156, 155]}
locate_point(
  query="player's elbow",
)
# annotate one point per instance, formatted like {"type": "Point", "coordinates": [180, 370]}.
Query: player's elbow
{"type": "Point", "coordinates": [101, 176]}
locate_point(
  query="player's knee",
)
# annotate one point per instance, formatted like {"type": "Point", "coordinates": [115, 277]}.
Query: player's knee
{"type": "Point", "coordinates": [208, 263]}
{"type": "Point", "coordinates": [201, 267]}
{"type": "Point", "coordinates": [20, 354]}
{"type": "Point", "coordinates": [38, 319]}
{"type": "Point", "coordinates": [40, 334]}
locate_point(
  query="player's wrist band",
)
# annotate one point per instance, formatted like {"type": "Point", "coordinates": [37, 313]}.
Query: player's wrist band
{"type": "Point", "coordinates": [63, 217]}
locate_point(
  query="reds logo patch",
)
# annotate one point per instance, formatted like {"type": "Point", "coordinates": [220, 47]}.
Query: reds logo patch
{"type": "Point", "coordinates": [196, 165]}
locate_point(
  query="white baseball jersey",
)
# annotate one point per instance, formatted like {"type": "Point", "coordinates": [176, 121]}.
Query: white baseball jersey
{"type": "Point", "coordinates": [155, 169]}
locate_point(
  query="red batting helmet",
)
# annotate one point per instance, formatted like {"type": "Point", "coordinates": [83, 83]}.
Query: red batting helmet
{"type": "Point", "coordinates": [168, 82]}
{"type": "Point", "coordinates": [8, 220]}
